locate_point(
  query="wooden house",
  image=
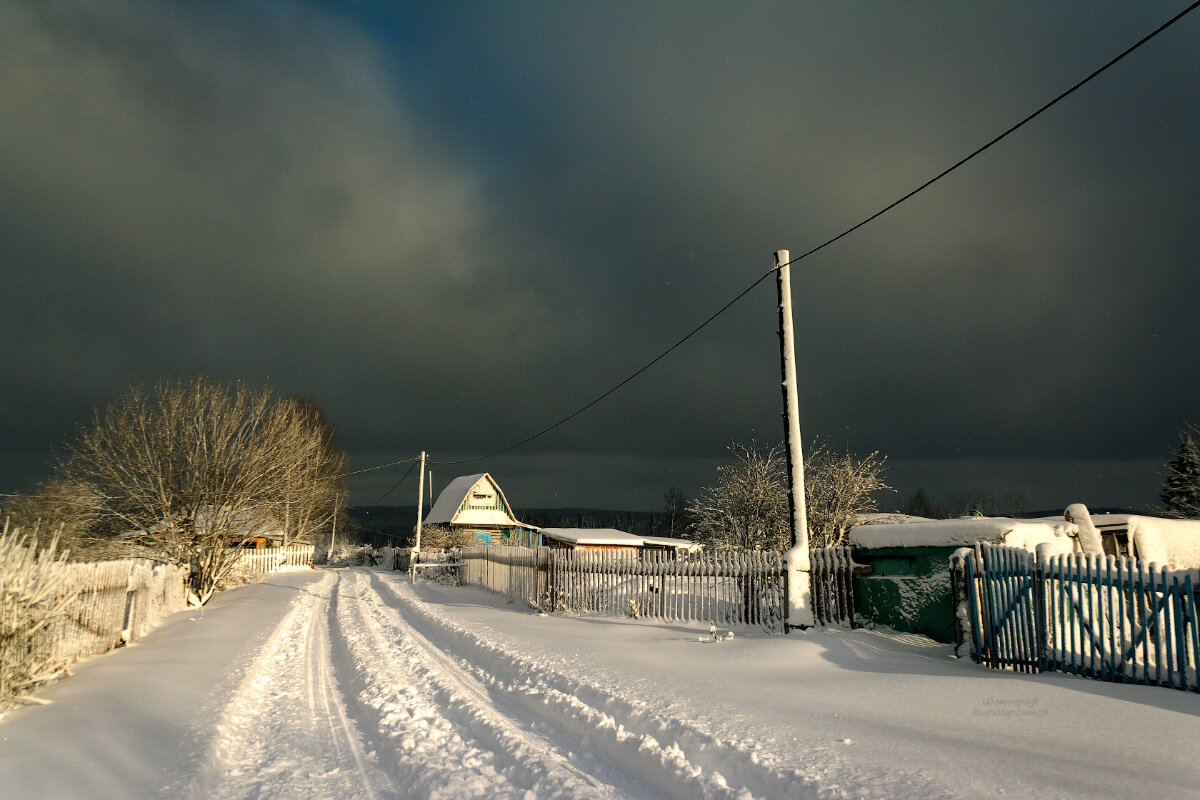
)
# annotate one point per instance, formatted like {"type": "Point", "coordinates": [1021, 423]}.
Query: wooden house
{"type": "Point", "coordinates": [475, 503]}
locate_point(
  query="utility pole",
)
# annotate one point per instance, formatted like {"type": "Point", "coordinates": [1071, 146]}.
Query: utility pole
{"type": "Point", "coordinates": [337, 501]}
{"type": "Point", "coordinates": [415, 554]}
{"type": "Point", "coordinates": [420, 502]}
{"type": "Point", "coordinates": [799, 566]}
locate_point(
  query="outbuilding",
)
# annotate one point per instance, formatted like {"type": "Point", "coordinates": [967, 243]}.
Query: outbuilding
{"type": "Point", "coordinates": [612, 540]}
{"type": "Point", "coordinates": [908, 588]}
{"type": "Point", "coordinates": [605, 539]}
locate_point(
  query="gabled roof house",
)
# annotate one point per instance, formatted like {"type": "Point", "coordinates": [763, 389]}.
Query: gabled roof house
{"type": "Point", "coordinates": [476, 503]}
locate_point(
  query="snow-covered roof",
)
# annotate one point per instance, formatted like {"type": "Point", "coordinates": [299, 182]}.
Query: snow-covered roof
{"type": "Point", "coordinates": [452, 508]}
{"type": "Point", "coordinates": [606, 536]}
{"type": "Point", "coordinates": [962, 532]}
{"type": "Point", "coordinates": [613, 537]}
{"type": "Point", "coordinates": [667, 541]}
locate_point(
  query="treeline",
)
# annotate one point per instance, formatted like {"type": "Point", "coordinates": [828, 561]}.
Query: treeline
{"type": "Point", "coordinates": [964, 504]}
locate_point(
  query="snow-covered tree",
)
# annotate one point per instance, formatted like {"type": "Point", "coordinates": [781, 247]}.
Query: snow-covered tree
{"type": "Point", "coordinates": [748, 507]}
{"type": "Point", "coordinates": [63, 508]}
{"type": "Point", "coordinates": [839, 487]}
{"type": "Point", "coordinates": [33, 590]}
{"type": "Point", "coordinates": [444, 537]}
{"type": "Point", "coordinates": [1181, 485]}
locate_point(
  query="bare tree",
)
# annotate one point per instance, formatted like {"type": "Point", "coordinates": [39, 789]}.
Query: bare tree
{"type": "Point", "coordinates": [315, 489]}
{"type": "Point", "coordinates": [190, 468]}
{"type": "Point", "coordinates": [748, 507]}
{"type": "Point", "coordinates": [675, 505]}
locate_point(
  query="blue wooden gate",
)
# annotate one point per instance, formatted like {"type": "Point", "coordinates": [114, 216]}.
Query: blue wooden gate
{"type": "Point", "coordinates": [1008, 631]}
{"type": "Point", "coordinates": [1109, 618]}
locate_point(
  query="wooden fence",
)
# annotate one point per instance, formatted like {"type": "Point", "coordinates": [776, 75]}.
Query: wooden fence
{"type": "Point", "coordinates": [518, 573]}
{"type": "Point", "coordinates": [254, 565]}
{"type": "Point", "coordinates": [728, 587]}
{"type": "Point", "coordinates": [1103, 617]}
{"type": "Point", "coordinates": [96, 607]}
{"type": "Point", "coordinates": [833, 574]}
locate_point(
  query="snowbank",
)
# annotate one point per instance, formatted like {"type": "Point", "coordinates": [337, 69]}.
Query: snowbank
{"type": "Point", "coordinates": [965, 532]}
{"type": "Point", "coordinates": [1174, 542]}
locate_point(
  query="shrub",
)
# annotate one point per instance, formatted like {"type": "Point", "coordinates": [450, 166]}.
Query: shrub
{"type": "Point", "coordinates": [33, 591]}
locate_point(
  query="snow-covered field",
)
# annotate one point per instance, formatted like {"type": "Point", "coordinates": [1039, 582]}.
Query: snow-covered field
{"type": "Point", "coordinates": [352, 683]}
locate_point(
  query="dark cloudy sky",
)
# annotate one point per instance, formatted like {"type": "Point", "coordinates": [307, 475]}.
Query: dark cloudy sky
{"type": "Point", "coordinates": [454, 224]}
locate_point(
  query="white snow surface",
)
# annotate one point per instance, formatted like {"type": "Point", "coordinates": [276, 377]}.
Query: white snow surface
{"type": "Point", "coordinates": [1171, 542]}
{"type": "Point", "coordinates": [609, 536]}
{"type": "Point", "coordinates": [352, 683]}
{"type": "Point", "coordinates": [967, 531]}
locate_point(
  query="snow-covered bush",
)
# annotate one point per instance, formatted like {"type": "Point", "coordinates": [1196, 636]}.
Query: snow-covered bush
{"type": "Point", "coordinates": [33, 591]}
{"type": "Point", "coordinates": [358, 556]}
{"type": "Point", "coordinates": [443, 537]}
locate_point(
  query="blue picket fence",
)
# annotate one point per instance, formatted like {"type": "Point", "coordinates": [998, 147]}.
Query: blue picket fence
{"type": "Point", "coordinates": [1102, 617]}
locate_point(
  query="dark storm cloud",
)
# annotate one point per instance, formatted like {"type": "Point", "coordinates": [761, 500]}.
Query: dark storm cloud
{"type": "Point", "coordinates": [457, 223]}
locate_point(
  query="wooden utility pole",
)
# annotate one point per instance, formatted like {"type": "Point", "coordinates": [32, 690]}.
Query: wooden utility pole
{"type": "Point", "coordinates": [799, 566]}
{"type": "Point", "coordinates": [420, 503]}
{"type": "Point", "coordinates": [337, 501]}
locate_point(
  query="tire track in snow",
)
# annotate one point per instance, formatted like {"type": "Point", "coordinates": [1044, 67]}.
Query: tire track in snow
{"type": "Point", "coordinates": [449, 738]}
{"type": "Point", "coordinates": [286, 731]}
{"type": "Point", "coordinates": [693, 763]}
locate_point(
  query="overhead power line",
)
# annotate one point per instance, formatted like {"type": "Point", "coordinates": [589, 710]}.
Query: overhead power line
{"type": "Point", "coordinates": [411, 467]}
{"type": "Point", "coordinates": [1012, 129]}
{"type": "Point", "coordinates": [382, 466]}
{"type": "Point", "coordinates": [644, 367]}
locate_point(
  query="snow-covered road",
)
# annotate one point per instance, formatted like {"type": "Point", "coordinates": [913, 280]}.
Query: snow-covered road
{"type": "Point", "coordinates": [362, 693]}
{"type": "Point", "coordinates": [352, 683]}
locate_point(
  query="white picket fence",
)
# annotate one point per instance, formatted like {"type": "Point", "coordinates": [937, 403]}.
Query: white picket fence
{"type": "Point", "coordinates": [254, 565]}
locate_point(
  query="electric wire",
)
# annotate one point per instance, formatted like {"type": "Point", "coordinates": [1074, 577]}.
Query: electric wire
{"type": "Point", "coordinates": [1012, 129]}
{"type": "Point", "coordinates": [381, 466]}
{"type": "Point", "coordinates": [411, 467]}
{"type": "Point", "coordinates": [644, 367]}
